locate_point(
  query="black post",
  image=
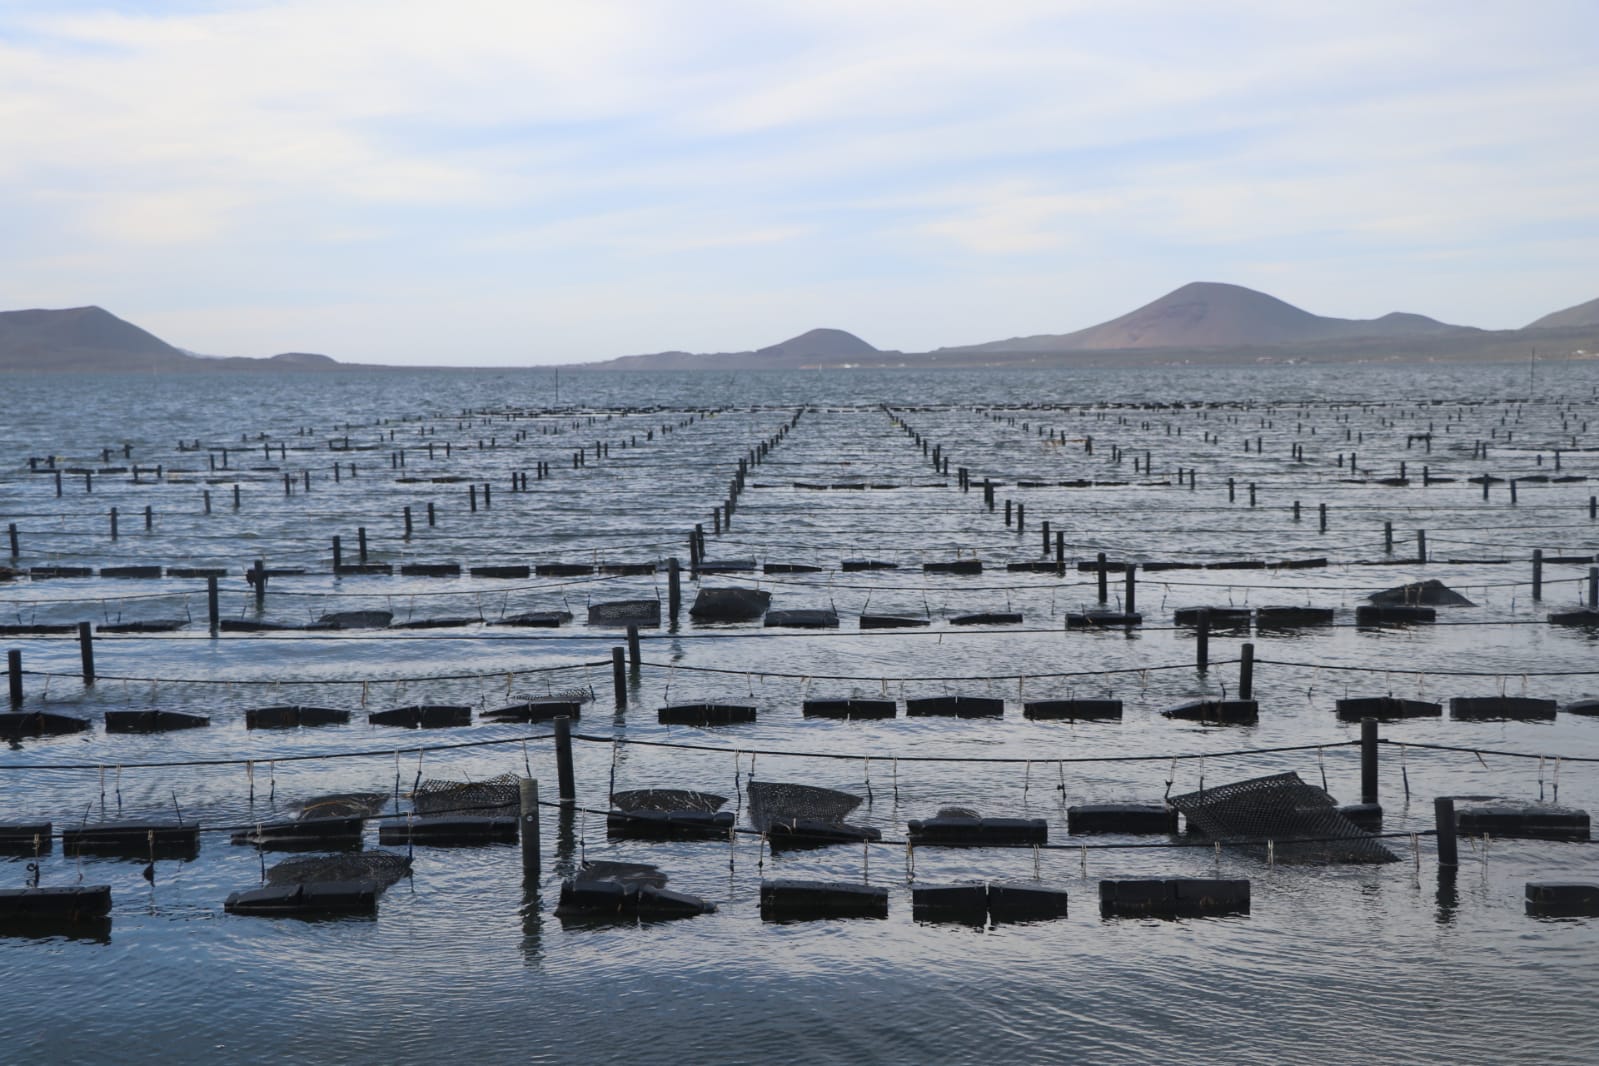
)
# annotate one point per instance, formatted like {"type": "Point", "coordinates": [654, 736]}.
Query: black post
{"type": "Point", "coordinates": [563, 760]}
{"type": "Point", "coordinates": [1421, 545]}
{"type": "Point", "coordinates": [207, 495]}
{"type": "Point", "coordinates": [1537, 574]}
{"type": "Point", "coordinates": [1321, 509]}
{"type": "Point", "coordinates": [212, 611]}
{"type": "Point", "coordinates": [11, 531]}
{"type": "Point", "coordinates": [1246, 672]}
{"type": "Point", "coordinates": [1443, 813]}
{"type": "Point", "coordinates": [1388, 537]}
{"type": "Point", "coordinates": [619, 676]}
{"type": "Point", "coordinates": [1046, 536]}
{"type": "Point", "coordinates": [1368, 760]}
{"type": "Point", "coordinates": [528, 794]}
{"type": "Point", "coordinates": [674, 590]}
{"type": "Point", "coordinates": [360, 539]}
{"type": "Point", "coordinates": [407, 523]}
{"type": "Point", "coordinates": [259, 570]}
{"type": "Point", "coordinates": [14, 675]}
{"type": "Point", "coordinates": [1202, 644]}
{"type": "Point", "coordinates": [113, 523]}
{"type": "Point", "coordinates": [1104, 591]}
{"type": "Point", "coordinates": [1130, 594]}
{"type": "Point", "coordinates": [634, 659]}
{"type": "Point", "coordinates": [1593, 588]}
{"type": "Point", "coordinates": [1060, 552]}
{"type": "Point", "coordinates": [433, 518]}
{"type": "Point", "coordinates": [471, 496]}
{"type": "Point", "coordinates": [338, 554]}
{"type": "Point", "coordinates": [1021, 517]}
{"type": "Point", "coordinates": [86, 651]}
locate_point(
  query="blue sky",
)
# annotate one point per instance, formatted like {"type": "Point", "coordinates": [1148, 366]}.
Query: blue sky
{"type": "Point", "coordinates": [487, 183]}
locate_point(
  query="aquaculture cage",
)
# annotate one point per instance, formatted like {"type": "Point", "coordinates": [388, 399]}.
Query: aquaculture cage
{"type": "Point", "coordinates": [1302, 822]}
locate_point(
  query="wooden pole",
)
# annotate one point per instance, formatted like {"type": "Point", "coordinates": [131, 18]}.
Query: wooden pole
{"type": "Point", "coordinates": [1537, 574]}
{"type": "Point", "coordinates": [619, 676]}
{"type": "Point", "coordinates": [1443, 813]}
{"type": "Point", "coordinates": [528, 793]}
{"type": "Point", "coordinates": [634, 659]}
{"type": "Point", "coordinates": [338, 553]}
{"type": "Point", "coordinates": [11, 533]}
{"type": "Point", "coordinates": [86, 651]}
{"type": "Point", "coordinates": [360, 539]}
{"type": "Point", "coordinates": [1246, 672]}
{"type": "Point", "coordinates": [1368, 760]}
{"type": "Point", "coordinates": [14, 675]}
{"type": "Point", "coordinates": [1130, 593]}
{"type": "Point", "coordinates": [1202, 643]}
{"type": "Point", "coordinates": [563, 761]}
{"type": "Point", "coordinates": [674, 590]}
{"type": "Point", "coordinates": [1104, 591]}
{"type": "Point", "coordinates": [212, 610]}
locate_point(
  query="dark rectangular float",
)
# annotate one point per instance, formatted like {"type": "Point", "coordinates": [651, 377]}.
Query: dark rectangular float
{"type": "Point", "coordinates": [152, 721]}
{"type": "Point", "coordinates": [802, 833]}
{"type": "Point", "coordinates": [563, 569]}
{"type": "Point", "coordinates": [1562, 899]}
{"type": "Point", "coordinates": [501, 571]}
{"type": "Point", "coordinates": [424, 716]}
{"type": "Point", "coordinates": [39, 724]}
{"type": "Point", "coordinates": [966, 904]}
{"type": "Point", "coordinates": [850, 708]}
{"type": "Point", "coordinates": [1292, 617]}
{"type": "Point", "coordinates": [1025, 901]}
{"type": "Point", "coordinates": [850, 566]}
{"type": "Point", "coordinates": [955, 566]}
{"type": "Point", "coordinates": [1173, 898]}
{"type": "Point", "coordinates": [25, 838]}
{"type": "Point", "coordinates": [803, 900]}
{"type": "Point", "coordinates": [544, 709]}
{"type": "Point", "coordinates": [55, 903]}
{"type": "Point", "coordinates": [304, 834]}
{"type": "Point", "coordinates": [1103, 619]}
{"type": "Point", "coordinates": [1072, 710]}
{"type": "Point", "coordinates": [307, 899]}
{"type": "Point", "coordinates": [668, 825]}
{"type": "Point", "coordinates": [987, 618]}
{"type": "Point", "coordinates": [705, 714]}
{"type": "Point", "coordinates": [553, 619]}
{"type": "Point", "coordinates": [1216, 712]}
{"type": "Point", "coordinates": [1501, 708]}
{"type": "Point", "coordinates": [955, 707]}
{"type": "Point", "coordinates": [449, 831]}
{"type": "Point", "coordinates": [292, 716]}
{"type": "Point", "coordinates": [822, 618]}
{"type": "Point", "coordinates": [132, 840]}
{"type": "Point", "coordinates": [1355, 708]}
{"type": "Point", "coordinates": [1523, 822]}
{"type": "Point", "coordinates": [1132, 818]}
{"type": "Point", "coordinates": [430, 569]}
{"type": "Point", "coordinates": [1372, 614]}
{"type": "Point", "coordinates": [890, 621]}
{"type": "Point", "coordinates": [130, 571]}
{"type": "Point", "coordinates": [625, 613]}
{"type": "Point", "coordinates": [1220, 617]}
{"type": "Point", "coordinates": [959, 831]}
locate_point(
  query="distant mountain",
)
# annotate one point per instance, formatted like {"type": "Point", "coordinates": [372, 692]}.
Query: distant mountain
{"type": "Point", "coordinates": [815, 347]}
{"type": "Point", "coordinates": [1205, 314]}
{"type": "Point", "coordinates": [91, 339]}
{"type": "Point", "coordinates": [1571, 318]}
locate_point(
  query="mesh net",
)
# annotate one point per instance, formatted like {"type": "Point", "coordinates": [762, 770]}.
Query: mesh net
{"type": "Point", "coordinates": [1302, 822]}
{"type": "Point", "coordinates": [772, 801]}
{"type": "Point", "coordinates": [666, 799]}
{"type": "Point", "coordinates": [385, 867]}
{"type": "Point", "coordinates": [495, 796]}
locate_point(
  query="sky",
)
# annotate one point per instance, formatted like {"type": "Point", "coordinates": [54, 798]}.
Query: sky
{"type": "Point", "coordinates": [487, 183]}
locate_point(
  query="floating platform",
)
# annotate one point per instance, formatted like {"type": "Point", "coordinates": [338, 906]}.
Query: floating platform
{"type": "Point", "coordinates": [823, 618]}
{"type": "Point", "coordinates": [293, 716]}
{"type": "Point", "coordinates": [1173, 898]}
{"type": "Point", "coordinates": [1523, 822]}
{"type": "Point", "coordinates": [21, 908]}
{"type": "Point", "coordinates": [1292, 617]}
{"type": "Point", "coordinates": [1586, 616]}
{"type": "Point", "coordinates": [955, 566]}
{"type": "Point", "coordinates": [1104, 619]}
{"type": "Point", "coordinates": [1562, 899]}
{"type": "Point", "coordinates": [544, 709]}
{"type": "Point", "coordinates": [1025, 901]}
{"type": "Point", "coordinates": [152, 721]}
{"type": "Point", "coordinates": [891, 621]}
{"type": "Point", "coordinates": [563, 569]}
{"type": "Point", "coordinates": [446, 831]}
{"type": "Point", "coordinates": [803, 833]}
{"type": "Point", "coordinates": [1216, 712]}
{"type": "Point", "coordinates": [966, 904]}
{"type": "Point", "coordinates": [305, 834]}
{"type": "Point", "coordinates": [141, 572]}
{"type": "Point", "coordinates": [313, 899]}
{"type": "Point", "coordinates": [1073, 710]}
{"type": "Point", "coordinates": [40, 724]}
{"type": "Point", "coordinates": [959, 831]}
{"type": "Point", "coordinates": [955, 707]}
{"type": "Point", "coordinates": [987, 618]}
{"type": "Point", "coordinates": [705, 714]}
{"type": "Point", "coordinates": [1398, 614]}
{"type": "Point", "coordinates": [1386, 708]}
{"type": "Point", "coordinates": [730, 605]}
{"type": "Point", "coordinates": [852, 708]}
{"type": "Point", "coordinates": [424, 716]}
{"type": "Point", "coordinates": [1501, 709]}
{"type": "Point", "coordinates": [668, 825]}
{"type": "Point", "coordinates": [1588, 707]}
{"type": "Point", "coordinates": [509, 571]}
{"type": "Point", "coordinates": [644, 613]}
{"type": "Point", "coordinates": [357, 619]}
{"type": "Point", "coordinates": [1135, 819]}
{"type": "Point", "coordinates": [151, 625]}
{"type": "Point", "coordinates": [556, 619]}
{"type": "Point", "coordinates": [851, 566]}
{"type": "Point", "coordinates": [133, 840]}
{"type": "Point", "coordinates": [787, 901]}
{"type": "Point", "coordinates": [430, 569]}
{"type": "Point", "coordinates": [25, 838]}
{"type": "Point", "coordinates": [1220, 617]}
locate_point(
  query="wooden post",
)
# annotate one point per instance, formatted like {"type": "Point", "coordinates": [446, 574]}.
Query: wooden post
{"type": "Point", "coordinates": [58, 483]}
{"type": "Point", "coordinates": [1537, 574]}
{"type": "Point", "coordinates": [634, 659]}
{"type": "Point", "coordinates": [1060, 553]}
{"type": "Point", "coordinates": [207, 496]}
{"type": "Point", "coordinates": [1130, 594]}
{"type": "Point", "coordinates": [1104, 592]}
{"type": "Point", "coordinates": [11, 533]}
{"type": "Point", "coordinates": [1368, 760]}
{"type": "Point", "coordinates": [360, 539]}
{"type": "Point", "coordinates": [338, 554]}
{"type": "Point", "coordinates": [433, 518]}
{"type": "Point", "coordinates": [563, 761]}
{"type": "Point", "coordinates": [407, 522]}
{"type": "Point", "coordinates": [86, 651]}
{"type": "Point", "coordinates": [14, 675]}
{"type": "Point", "coordinates": [1443, 814]}
{"type": "Point", "coordinates": [113, 523]}
{"type": "Point", "coordinates": [235, 495]}
{"type": "Point", "coordinates": [1321, 510]}
{"type": "Point", "coordinates": [1593, 588]}
{"type": "Point", "coordinates": [1421, 545]}
{"type": "Point", "coordinates": [488, 496]}
{"type": "Point", "coordinates": [213, 612]}
{"type": "Point", "coordinates": [674, 590]}
{"type": "Point", "coordinates": [619, 677]}
{"type": "Point", "coordinates": [1021, 517]}
{"type": "Point", "coordinates": [259, 570]}
{"type": "Point", "coordinates": [1007, 510]}
{"type": "Point", "coordinates": [528, 793]}
{"type": "Point", "coordinates": [1246, 672]}
{"type": "Point", "coordinates": [1512, 490]}
{"type": "Point", "coordinates": [471, 498]}
{"type": "Point", "coordinates": [1251, 494]}
{"type": "Point", "coordinates": [1232, 491]}
{"type": "Point", "coordinates": [1202, 643]}
{"type": "Point", "coordinates": [1046, 536]}
{"type": "Point", "coordinates": [1388, 537]}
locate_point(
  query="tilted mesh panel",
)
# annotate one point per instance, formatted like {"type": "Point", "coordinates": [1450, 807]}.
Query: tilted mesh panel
{"type": "Point", "coordinates": [494, 796]}
{"type": "Point", "coordinates": [385, 867]}
{"type": "Point", "coordinates": [1302, 821]}
{"type": "Point", "coordinates": [772, 801]}
{"type": "Point", "coordinates": [666, 800]}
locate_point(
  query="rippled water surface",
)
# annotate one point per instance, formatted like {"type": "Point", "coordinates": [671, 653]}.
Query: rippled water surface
{"type": "Point", "coordinates": [1333, 964]}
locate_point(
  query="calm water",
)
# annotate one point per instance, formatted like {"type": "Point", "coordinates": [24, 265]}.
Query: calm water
{"type": "Point", "coordinates": [1339, 964]}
